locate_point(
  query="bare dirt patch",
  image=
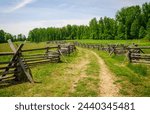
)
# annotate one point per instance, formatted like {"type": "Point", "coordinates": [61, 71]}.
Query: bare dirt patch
{"type": "Point", "coordinates": [107, 86]}
{"type": "Point", "coordinates": [79, 68]}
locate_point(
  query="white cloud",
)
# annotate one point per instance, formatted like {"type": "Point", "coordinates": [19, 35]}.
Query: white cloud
{"type": "Point", "coordinates": [22, 4]}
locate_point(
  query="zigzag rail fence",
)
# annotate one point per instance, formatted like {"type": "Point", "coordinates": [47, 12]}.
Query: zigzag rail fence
{"type": "Point", "coordinates": [18, 67]}
{"type": "Point", "coordinates": [135, 53]}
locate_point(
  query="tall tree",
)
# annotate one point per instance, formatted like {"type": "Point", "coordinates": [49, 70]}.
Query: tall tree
{"type": "Point", "coordinates": [135, 29]}
{"type": "Point", "coordinates": [94, 29]}
{"type": "Point", "coordinates": [130, 23]}
{"type": "Point", "coordinates": [148, 30]}
{"type": "Point", "coordinates": [2, 36]}
{"type": "Point", "coordinates": [120, 32]}
{"type": "Point", "coordinates": [142, 32]}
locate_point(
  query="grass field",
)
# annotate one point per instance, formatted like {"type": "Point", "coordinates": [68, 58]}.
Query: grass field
{"type": "Point", "coordinates": [80, 75]}
{"type": "Point", "coordinates": [128, 42]}
{"type": "Point", "coordinates": [133, 78]}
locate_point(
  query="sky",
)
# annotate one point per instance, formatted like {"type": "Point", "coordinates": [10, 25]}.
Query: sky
{"type": "Point", "coordinates": [21, 16]}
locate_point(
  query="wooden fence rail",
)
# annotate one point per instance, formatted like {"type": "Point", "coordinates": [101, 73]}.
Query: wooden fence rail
{"type": "Point", "coordinates": [18, 67]}
{"type": "Point", "coordinates": [135, 53]}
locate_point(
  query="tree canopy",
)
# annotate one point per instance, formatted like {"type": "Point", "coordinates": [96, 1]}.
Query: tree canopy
{"type": "Point", "coordinates": [5, 36]}
{"type": "Point", "coordinates": [130, 23]}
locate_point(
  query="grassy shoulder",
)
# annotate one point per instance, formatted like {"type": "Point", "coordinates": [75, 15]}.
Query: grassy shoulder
{"type": "Point", "coordinates": [134, 78]}
{"type": "Point", "coordinates": [51, 77]}
{"type": "Point", "coordinates": [57, 79]}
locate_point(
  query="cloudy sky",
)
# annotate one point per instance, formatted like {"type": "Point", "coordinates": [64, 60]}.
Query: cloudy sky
{"type": "Point", "coordinates": [20, 16]}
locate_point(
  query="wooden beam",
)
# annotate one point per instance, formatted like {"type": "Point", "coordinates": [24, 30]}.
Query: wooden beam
{"type": "Point", "coordinates": [7, 77]}
{"type": "Point", "coordinates": [25, 71]}
{"type": "Point", "coordinates": [39, 49]}
{"type": "Point", "coordinates": [6, 53]}
{"type": "Point", "coordinates": [12, 46]}
{"type": "Point", "coordinates": [13, 59]}
{"type": "Point", "coordinates": [144, 47]}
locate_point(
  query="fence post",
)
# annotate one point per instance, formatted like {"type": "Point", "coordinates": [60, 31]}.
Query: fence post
{"type": "Point", "coordinates": [69, 49]}
{"type": "Point", "coordinates": [129, 56]}
{"type": "Point", "coordinates": [115, 51]}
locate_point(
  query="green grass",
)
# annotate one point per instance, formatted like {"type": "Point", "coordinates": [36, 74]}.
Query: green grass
{"type": "Point", "coordinates": [128, 42]}
{"type": "Point", "coordinates": [89, 85]}
{"type": "Point", "coordinates": [4, 47]}
{"type": "Point", "coordinates": [134, 79]}
{"type": "Point", "coordinates": [57, 79]}
{"type": "Point", "coordinates": [86, 87]}
{"type": "Point", "coordinates": [140, 69]}
{"type": "Point", "coordinates": [52, 78]}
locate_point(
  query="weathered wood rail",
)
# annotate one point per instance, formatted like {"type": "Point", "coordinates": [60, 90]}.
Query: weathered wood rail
{"type": "Point", "coordinates": [138, 55]}
{"type": "Point", "coordinates": [48, 54]}
{"type": "Point", "coordinates": [67, 49]}
{"type": "Point", "coordinates": [135, 53]}
{"type": "Point", "coordinates": [116, 49]}
{"type": "Point", "coordinates": [64, 47]}
{"type": "Point", "coordinates": [57, 42]}
{"type": "Point", "coordinates": [18, 68]}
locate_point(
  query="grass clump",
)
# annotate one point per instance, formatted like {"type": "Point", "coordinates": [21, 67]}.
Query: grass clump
{"type": "Point", "coordinates": [138, 68]}
{"type": "Point", "coordinates": [86, 87]}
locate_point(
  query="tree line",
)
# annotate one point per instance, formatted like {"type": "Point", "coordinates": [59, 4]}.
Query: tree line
{"type": "Point", "coordinates": [4, 36]}
{"type": "Point", "coordinates": [129, 23]}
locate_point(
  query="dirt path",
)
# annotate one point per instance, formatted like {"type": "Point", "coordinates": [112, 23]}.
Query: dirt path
{"type": "Point", "coordinates": [78, 69]}
{"type": "Point", "coordinates": [107, 86]}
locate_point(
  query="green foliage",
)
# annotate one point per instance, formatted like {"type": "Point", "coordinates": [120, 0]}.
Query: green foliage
{"type": "Point", "coordinates": [2, 36]}
{"type": "Point", "coordinates": [142, 32]}
{"type": "Point", "coordinates": [6, 36]}
{"type": "Point", "coordinates": [139, 69]}
{"type": "Point", "coordinates": [135, 29]}
{"type": "Point", "coordinates": [130, 23]}
{"type": "Point", "coordinates": [148, 30]}
{"type": "Point", "coordinates": [94, 29]}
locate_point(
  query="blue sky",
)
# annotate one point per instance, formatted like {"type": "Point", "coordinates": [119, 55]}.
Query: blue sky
{"type": "Point", "coordinates": [20, 16]}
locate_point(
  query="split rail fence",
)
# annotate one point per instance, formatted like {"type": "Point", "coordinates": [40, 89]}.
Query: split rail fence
{"type": "Point", "coordinates": [17, 67]}
{"type": "Point", "coordinates": [135, 53]}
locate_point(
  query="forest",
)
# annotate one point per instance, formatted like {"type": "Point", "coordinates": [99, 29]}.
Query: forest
{"type": "Point", "coordinates": [4, 36]}
{"type": "Point", "coordinates": [129, 23]}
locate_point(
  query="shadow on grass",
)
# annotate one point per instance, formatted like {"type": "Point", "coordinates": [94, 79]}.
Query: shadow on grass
{"type": "Point", "coordinates": [8, 83]}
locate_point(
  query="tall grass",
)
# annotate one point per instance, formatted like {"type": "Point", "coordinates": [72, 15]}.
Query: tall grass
{"type": "Point", "coordinates": [141, 70]}
{"type": "Point", "coordinates": [133, 78]}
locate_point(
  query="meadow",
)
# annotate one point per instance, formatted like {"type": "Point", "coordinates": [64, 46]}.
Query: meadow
{"type": "Point", "coordinates": [79, 73]}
